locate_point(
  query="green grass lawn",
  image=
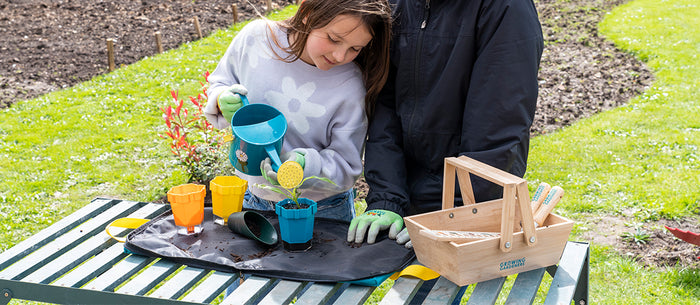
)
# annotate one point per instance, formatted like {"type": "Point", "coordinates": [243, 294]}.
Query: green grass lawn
{"type": "Point", "coordinates": [63, 149]}
{"type": "Point", "coordinates": [642, 157]}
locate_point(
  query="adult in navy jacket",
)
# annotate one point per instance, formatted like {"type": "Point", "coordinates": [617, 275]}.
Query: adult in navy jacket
{"type": "Point", "coordinates": [463, 82]}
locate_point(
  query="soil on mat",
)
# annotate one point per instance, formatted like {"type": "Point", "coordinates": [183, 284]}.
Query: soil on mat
{"type": "Point", "coordinates": [48, 45]}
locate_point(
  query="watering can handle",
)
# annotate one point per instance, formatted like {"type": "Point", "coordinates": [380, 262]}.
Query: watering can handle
{"type": "Point", "coordinates": [244, 99]}
{"type": "Point", "coordinates": [272, 152]}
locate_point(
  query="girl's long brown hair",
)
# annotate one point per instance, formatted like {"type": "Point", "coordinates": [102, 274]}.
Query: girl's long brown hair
{"type": "Point", "coordinates": [373, 59]}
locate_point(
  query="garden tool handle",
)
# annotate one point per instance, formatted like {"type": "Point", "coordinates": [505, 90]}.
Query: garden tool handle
{"type": "Point", "coordinates": [548, 204]}
{"type": "Point", "coordinates": [540, 194]}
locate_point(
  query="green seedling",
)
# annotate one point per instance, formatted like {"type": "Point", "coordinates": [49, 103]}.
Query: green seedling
{"type": "Point", "coordinates": [639, 236]}
{"type": "Point", "coordinates": [291, 192]}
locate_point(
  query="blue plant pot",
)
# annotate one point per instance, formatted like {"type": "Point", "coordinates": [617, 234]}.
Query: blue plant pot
{"type": "Point", "coordinates": [296, 225]}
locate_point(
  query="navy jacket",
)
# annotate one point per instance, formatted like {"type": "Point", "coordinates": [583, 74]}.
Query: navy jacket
{"type": "Point", "coordinates": [463, 81]}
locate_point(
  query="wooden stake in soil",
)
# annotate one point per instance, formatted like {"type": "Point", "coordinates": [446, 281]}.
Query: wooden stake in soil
{"type": "Point", "coordinates": [110, 53]}
{"type": "Point", "coordinates": [159, 45]}
{"type": "Point", "coordinates": [196, 26]}
{"type": "Point", "coordinates": [235, 13]}
{"type": "Point", "coordinates": [269, 6]}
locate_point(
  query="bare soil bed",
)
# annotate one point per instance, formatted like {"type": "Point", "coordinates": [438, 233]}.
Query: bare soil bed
{"type": "Point", "coordinates": [48, 45]}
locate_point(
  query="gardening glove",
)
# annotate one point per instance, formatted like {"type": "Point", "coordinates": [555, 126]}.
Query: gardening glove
{"type": "Point", "coordinates": [266, 165]}
{"type": "Point", "coordinates": [403, 239]}
{"type": "Point", "coordinates": [295, 156]}
{"type": "Point", "coordinates": [375, 220]}
{"type": "Point", "coordinates": [230, 101]}
{"type": "Point", "coordinates": [267, 172]}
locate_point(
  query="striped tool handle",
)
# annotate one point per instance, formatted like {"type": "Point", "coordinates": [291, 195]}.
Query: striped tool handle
{"type": "Point", "coordinates": [540, 194]}
{"type": "Point", "coordinates": [548, 204]}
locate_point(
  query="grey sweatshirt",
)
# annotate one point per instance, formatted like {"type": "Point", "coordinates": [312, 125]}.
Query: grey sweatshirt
{"type": "Point", "coordinates": [324, 109]}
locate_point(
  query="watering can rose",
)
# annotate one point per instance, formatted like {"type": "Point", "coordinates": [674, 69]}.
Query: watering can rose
{"type": "Point", "coordinates": [290, 180]}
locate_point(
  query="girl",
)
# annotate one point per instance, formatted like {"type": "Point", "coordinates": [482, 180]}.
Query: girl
{"type": "Point", "coordinates": [323, 69]}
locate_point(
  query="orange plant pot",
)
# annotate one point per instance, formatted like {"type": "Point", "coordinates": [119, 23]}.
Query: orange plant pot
{"type": "Point", "coordinates": [226, 197]}
{"type": "Point", "coordinates": [187, 203]}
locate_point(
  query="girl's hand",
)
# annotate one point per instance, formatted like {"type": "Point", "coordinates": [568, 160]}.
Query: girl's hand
{"type": "Point", "coordinates": [267, 172]}
{"type": "Point", "coordinates": [229, 101]}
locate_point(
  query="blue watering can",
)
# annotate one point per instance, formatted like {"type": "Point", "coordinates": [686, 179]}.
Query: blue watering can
{"type": "Point", "coordinates": [259, 132]}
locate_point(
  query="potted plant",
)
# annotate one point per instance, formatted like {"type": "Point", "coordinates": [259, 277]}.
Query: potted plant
{"type": "Point", "coordinates": [296, 215]}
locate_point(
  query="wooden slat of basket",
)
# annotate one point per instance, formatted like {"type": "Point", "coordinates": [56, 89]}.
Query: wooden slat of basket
{"type": "Point", "coordinates": [485, 171]}
{"type": "Point", "coordinates": [448, 186]}
{"type": "Point", "coordinates": [465, 187]}
{"type": "Point", "coordinates": [449, 235]}
{"type": "Point", "coordinates": [528, 223]}
{"type": "Point", "coordinates": [509, 193]}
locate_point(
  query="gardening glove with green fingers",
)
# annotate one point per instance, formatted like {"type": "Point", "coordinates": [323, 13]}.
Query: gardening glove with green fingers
{"type": "Point", "coordinates": [295, 156]}
{"type": "Point", "coordinates": [267, 172]}
{"type": "Point", "coordinates": [403, 239]}
{"type": "Point", "coordinates": [230, 101]}
{"type": "Point", "coordinates": [375, 220]}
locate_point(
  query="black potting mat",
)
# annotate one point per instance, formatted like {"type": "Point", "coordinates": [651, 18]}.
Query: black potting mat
{"type": "Point", "coordinates": [330, 258]}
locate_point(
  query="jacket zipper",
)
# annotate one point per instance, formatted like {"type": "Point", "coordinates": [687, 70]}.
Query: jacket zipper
{"type": "Point", "coordinates": [426, 14]}
{"type": "Point", "coordinates": [416, 72]}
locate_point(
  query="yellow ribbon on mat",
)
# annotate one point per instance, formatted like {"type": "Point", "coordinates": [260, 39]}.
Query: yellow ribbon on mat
{"type": "Point", "coordinates": [126, 223]}
{"type": "Point", "coordinates": [419, 271]}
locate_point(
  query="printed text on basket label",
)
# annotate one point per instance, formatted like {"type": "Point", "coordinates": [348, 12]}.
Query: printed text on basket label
{"type": "Point", "coordinates": [513, 264]}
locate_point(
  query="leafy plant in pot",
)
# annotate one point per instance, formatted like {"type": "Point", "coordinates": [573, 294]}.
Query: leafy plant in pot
{"type": "Point", "coordinates": [296, 215]}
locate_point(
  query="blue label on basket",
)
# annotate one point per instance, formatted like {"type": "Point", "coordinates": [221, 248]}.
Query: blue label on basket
{"type": "Point", "coordinates": [512, 264]}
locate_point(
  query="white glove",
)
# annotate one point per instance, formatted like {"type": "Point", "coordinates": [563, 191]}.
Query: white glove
{"type": "Point", "coordinates": [267, 172]}
{"type": "Point", "coordinates": [403, 239]}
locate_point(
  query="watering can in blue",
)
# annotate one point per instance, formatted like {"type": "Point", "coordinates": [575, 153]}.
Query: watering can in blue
{"type": "Point", "coordinates": [259, 132]}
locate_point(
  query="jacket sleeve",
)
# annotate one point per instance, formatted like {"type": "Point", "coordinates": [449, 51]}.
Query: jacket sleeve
{"type": "Point", "coordinates": [385, 166]}
{"type": "Point", "coordinates": [502, 94]}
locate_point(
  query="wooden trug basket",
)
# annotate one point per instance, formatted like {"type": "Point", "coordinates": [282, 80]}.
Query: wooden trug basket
{"type": "Point", "coordinates": [471, 261]}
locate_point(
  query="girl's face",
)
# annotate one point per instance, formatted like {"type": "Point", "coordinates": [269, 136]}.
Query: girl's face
{"type": "Point", "coordinates": [336, 44]}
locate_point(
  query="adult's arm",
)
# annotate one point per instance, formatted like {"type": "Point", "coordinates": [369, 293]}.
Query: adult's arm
{"type": "Point", "coordinates": [502, 96]}
{"type": "Point", "coordinates": [385, 166]}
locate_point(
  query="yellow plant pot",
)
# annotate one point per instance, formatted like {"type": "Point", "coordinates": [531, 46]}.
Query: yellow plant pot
{"type": "Point", "coordinates": [226, 196]}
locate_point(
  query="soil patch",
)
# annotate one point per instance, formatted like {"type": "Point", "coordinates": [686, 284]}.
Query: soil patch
{"type": "Point", "coordinates": [661, 248]}
{"type": "Point", "coordinates": [48, 45]}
